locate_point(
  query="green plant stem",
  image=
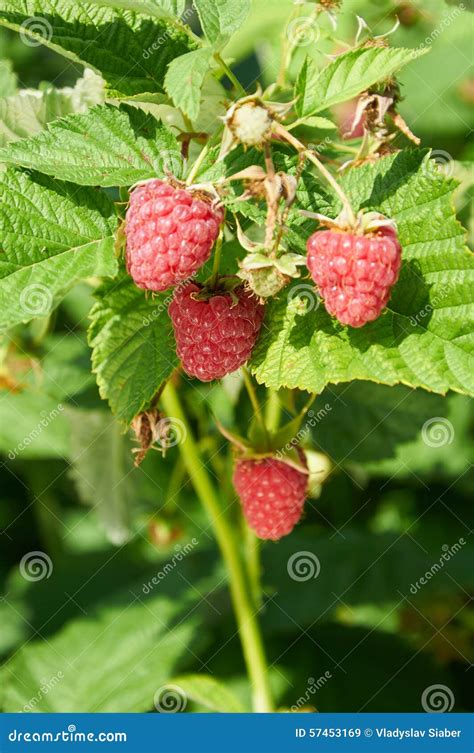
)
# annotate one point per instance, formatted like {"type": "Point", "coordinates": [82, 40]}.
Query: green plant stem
{"type": "Point", "coordinates": [249, 631]}
{"type": "Point", "coordinates": [272, 410]}
{"type": "Point", "coordinates": [217, 257]}
{"type": "Point", "coordinates": [195, 168]}
{"type": "Point", "coordinates": [302, 149]}
{"type": "Point", "coordinates": [286, 50]}
{"type": "Point", "coordinates": [252, 550]}
{"type": "Point", "coordinates": [230, 75]}
{"type": "Point", "coordinates": [254, 400]}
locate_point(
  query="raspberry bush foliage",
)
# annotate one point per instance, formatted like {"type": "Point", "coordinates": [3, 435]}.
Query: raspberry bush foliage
{"type": "Point", "coordinates": [234, 230]}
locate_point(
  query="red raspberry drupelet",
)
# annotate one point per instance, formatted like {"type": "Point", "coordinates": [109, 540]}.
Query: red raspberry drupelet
{"type": "Point", "coordinates": [354, 273]}
{"type": "Point", "coordinates": [214, 336]}
{"type": "Point", "coordinates": [272, 495]}
{"type": "Point", "coordinates": [170, 234]}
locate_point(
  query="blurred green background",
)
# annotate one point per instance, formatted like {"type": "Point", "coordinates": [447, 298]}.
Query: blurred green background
{"type": "Point", "coordinates": [399, 495]}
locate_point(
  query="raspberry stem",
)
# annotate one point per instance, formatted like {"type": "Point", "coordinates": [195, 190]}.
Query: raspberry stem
{"type": "Point", "coordinates": [195, 168]}
{"type": "Point", "coordinates": [255, 404]}
{"type": "Point", "coordinates": [272, 410]}
{"type": "Point", "coordinates": [252, 559]}
{"type": "Point", "coordinates": [230, 75]}
{"type": "Point", "coordinates": [249, 630]}
{"type": "Point", "coordinates": [302, 149]}
{"type": "Point", "coordinates": [217, 257]}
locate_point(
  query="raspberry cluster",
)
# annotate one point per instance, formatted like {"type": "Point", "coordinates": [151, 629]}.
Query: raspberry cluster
{"type": "Point", "coordinates": [215, 335]}
{"type": "Point", "coordinates": [354, 273]}
{"type": "Point", "coordinates": [170, 234]}
{"type": "Point", "coordinates": [272, 495]}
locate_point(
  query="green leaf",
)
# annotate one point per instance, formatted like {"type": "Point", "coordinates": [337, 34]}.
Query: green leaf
{"type": "Point", "coordinates": [118, 656]}
{"type": "Point", "coordinates": [185, 78]}
{"type": "Point", "coordinates": [221, 18]}
{"type": "Point", "coordinates": [209, 692]}
{"type": "Point", "coordinates": [306, 93]}
{"type": "Point", "coordinates": [52, 234]}
{"type": "Point", "coordinates": [442, 448]}
{"type": "Point", "coordinates": [309, 567]}
{"type": "Point", "coordinates": [154, 8]}
{"type": "Point", "coordinates": [107, 146]}
{"type": "Point", "coordinates": [316, 121]}
{"type": "Point", "coordinates": [27, 112]}
{"type": "Point", "coordinates": [424, 338]}
{"type": "Point", "coordinates": [133, 346]}
{"type": "Point", "coordinates": [130, 50]}
{"type": "Point", "coordinates": [382, 418]}
{"type": "Point", "coordinates": [347, 76]}
{"type": "Point", "coordinates": [8, 82]}
{"type": "Point", "coordinates": [32, 425]}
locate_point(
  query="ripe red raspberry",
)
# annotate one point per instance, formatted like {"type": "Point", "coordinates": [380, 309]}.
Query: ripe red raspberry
{"type": "Point", "coordinates": [170, 234]}
{"type": "Point", "coordinates": [272, 494]}
{"type": "Point", "coordinates": [354, 273]}
{"type": "Point", "coordinates": [215, 335]}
